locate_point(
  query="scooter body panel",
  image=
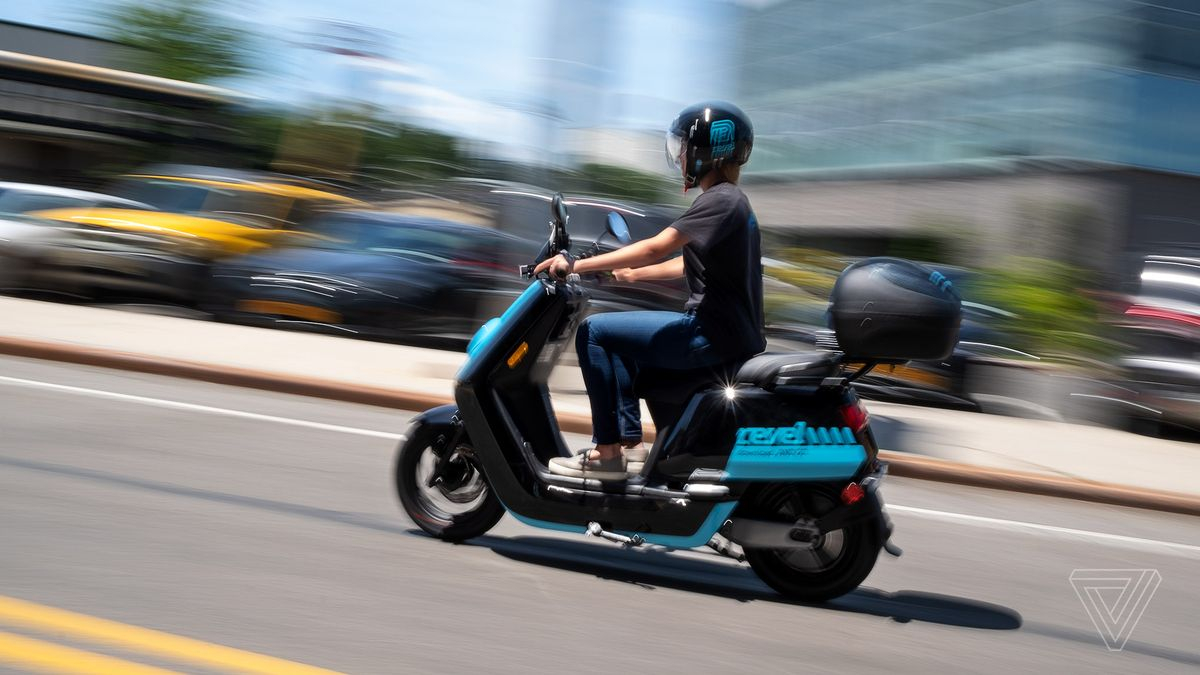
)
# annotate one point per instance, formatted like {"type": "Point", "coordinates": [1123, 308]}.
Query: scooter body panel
{"type": "Point", "coordinates": [792, 433]}
{"type": "Point", "coordinates": [504, 403]}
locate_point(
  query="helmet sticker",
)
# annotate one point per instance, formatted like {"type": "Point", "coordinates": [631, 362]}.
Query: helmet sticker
{"type": "Point", "coordinates": [720, 136]}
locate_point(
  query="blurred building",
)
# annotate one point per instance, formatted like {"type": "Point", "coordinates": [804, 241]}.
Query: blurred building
{"type": "Point", "coordinates": [68, 108]}
{"type": "Point", "coordinates": [1042, 127]}
{"type": "Point", "coordinates": [616, 69]}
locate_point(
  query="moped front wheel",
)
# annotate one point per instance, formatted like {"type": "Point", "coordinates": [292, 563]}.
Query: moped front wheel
{"type": "Point", "coordinates": [458, 506]}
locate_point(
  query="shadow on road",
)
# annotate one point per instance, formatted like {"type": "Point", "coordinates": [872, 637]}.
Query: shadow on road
{"type": "Point", "coordinates": [649, 569]}
{"type": "Point", "coordinates": [652, 569]}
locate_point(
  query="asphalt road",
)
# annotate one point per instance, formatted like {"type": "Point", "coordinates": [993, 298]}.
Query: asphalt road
{"type": "Point", "coordinates": [266, 524]}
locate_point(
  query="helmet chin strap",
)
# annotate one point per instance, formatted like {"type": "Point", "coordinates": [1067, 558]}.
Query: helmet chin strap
{"type": "Point", "coordinates": [690, 181]}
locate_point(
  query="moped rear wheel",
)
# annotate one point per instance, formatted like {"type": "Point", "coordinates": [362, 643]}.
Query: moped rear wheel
{"type": "Point", "coordinates": [460, 506]}
{"type": "Point", "coordinates": [835, 564]}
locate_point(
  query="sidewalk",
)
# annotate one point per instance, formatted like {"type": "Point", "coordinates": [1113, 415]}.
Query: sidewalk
{"type": "Point", "coordinates": [1045, 448]}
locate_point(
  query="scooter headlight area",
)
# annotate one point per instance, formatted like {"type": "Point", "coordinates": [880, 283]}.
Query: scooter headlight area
{"type": "Point", "coordinates": [771, 461]}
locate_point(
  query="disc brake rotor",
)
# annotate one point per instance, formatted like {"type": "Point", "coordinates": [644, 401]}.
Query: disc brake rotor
{"type": "Point", "coordinates": [826, 548]}
{"type": "Point", "coordinates": [462, 483]}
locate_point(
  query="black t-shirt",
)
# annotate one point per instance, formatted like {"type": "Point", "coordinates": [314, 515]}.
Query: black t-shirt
{"type": "Point", "coordinates": [723, 265]}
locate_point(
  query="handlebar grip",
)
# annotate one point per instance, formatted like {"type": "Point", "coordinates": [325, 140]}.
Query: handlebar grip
{"type": "Point", "coordinates": [525, 270]}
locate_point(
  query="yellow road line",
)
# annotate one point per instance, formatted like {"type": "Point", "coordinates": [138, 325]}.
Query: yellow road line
{"type": "Point", "coordinates": [37, 655]}
{"type": "Point", "coordinates": [27, 614]}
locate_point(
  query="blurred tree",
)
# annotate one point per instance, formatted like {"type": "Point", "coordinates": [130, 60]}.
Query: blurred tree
{"type": "Point", "coordinates": [407, 153]}
{"type": "Point", "coordinates": [182, 39]}
{"type": "Point", "coordinates": [1054, 317]}
{"type": "Point", "coordinates": [620, 182]}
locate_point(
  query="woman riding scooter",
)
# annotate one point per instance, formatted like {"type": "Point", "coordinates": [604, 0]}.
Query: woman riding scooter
{"type": "Point", "coordinates": [723, 318]}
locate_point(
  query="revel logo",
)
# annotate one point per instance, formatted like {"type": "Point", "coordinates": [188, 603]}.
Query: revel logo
{"type": "Point", "coordinates": [720, 137]}
{"type": "Point", "coordinates": [793, 440]}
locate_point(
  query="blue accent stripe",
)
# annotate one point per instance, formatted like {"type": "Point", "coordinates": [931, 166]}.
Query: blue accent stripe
{"type": "Point", "coordinates": [716, 518]}
{"type": "Point", "coordinates": [487, 333]}
{"type": "Point", "coordinates": [545, 524]}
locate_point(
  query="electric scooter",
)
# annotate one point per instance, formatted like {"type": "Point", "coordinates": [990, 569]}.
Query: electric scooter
{"type": "Point", "coordinates": [771, 461]}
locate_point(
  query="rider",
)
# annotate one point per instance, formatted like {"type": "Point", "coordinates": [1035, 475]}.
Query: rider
{"type": "Point", "coordinates": [723, 318]}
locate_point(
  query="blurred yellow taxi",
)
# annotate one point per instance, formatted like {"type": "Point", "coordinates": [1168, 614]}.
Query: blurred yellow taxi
{"type": "Point", "coordinates": [209, 217]}
{"type": "Point", "coordinates": [188, 219]}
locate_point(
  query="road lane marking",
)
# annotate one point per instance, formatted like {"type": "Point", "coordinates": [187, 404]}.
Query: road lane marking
{"type": "Point", "coordinates": [37, 655]}
{"type": "Point", "coordinates": [1052, 529]}
{"type": "Point", "coordinates": [929, 513]}
{"type": "Point", "coordinates": [145, 640]}
{"type": "Point", "coordinates": [195, 407]}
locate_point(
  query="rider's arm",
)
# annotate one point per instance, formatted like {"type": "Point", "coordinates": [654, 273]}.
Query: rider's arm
{"type": "Point", "coordinates": [663, 271]}
{"type": "Point", "coordinates": [637, 254]}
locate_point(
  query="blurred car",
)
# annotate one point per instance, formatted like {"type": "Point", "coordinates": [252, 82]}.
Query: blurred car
{"type": "Point", "coordinates": [373, 274]}
{"type": "Point", "coordinates": [1161, 329]}
{"type": "Point", "coordinates": [27, 197]}
{"type": "Point", "coordinates": [523, 210]}
{"type": "Point", "coordinates": [197, 216]}
{"type": "Point", "coordinates": [26, 239]}
{"type": "Point", "coordinates": [387, 275]}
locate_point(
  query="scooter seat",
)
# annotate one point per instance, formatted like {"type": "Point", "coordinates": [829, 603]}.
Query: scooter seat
{"type": "Point", "coordinates": [771, 370]}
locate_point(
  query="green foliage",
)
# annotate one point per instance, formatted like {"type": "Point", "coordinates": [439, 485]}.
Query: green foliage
{"type": "Point", "coordinates": [349, 144]}
{"type": "Point", "coordinates": [183, 39]}
{"type": "Point", "coordinates": [798, 283]}
{"type": "Point", "coordinates": [1054, 317]}
{"type": "Point", "coordinates": [623, 183]}
{"type": "Point", "coordinates": [408, 152]}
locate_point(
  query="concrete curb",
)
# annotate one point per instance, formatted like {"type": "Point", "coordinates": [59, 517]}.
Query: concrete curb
{"type": "Point", "coordinates": [899, 464]}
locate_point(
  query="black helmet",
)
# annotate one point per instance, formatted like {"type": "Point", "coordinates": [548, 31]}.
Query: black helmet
{"type": "Point", "coordinates": [708, 134]}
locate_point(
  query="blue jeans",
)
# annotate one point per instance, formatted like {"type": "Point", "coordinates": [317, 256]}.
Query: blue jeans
{"type": "Point", "coordinates": [613, 346]}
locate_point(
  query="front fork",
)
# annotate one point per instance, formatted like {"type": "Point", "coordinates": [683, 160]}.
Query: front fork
{"type": "Point", "coordinates": [444, 448]}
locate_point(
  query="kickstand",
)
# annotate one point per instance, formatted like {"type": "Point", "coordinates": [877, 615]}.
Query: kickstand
{"type": "Point", "coordinates": [594, 529]}
{"type": "Point", "coordinates": [725, 547]}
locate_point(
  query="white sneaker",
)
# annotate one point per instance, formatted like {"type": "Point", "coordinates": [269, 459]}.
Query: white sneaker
{"type": "Point", "coordinates": [580, 466]}
{"type": "Point", "coordinates": [635, 458]}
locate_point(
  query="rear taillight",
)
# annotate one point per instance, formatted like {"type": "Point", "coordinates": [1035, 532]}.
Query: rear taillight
{"type": "Point", "coordinates": [852, 494]}
{"type": "Point", "coordinates": [855, 416]}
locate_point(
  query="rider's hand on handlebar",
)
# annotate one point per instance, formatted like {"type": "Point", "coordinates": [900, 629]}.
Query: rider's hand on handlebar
{"type": "Point", "coordinates": [558, 266]}
{"type": "Point", "coordinates": [625, 274]}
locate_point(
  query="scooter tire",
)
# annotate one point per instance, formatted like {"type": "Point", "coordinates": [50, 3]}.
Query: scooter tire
{"type": "Point", "coordinates": [860, 549]}
{"type": "Point", "coordinates": [452, 527]}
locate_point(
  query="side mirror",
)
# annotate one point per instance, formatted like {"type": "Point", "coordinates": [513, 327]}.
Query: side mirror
{"type": "Point", "coordinates": [558, 210]}
{"type": "Point", "coordinates": [559, 239]}
{"type": "Point", "coordinates": [618, 227]}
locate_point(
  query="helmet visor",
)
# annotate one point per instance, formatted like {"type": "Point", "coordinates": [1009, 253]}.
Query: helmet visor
{"type": "Point", "coordinates": [675, 149]}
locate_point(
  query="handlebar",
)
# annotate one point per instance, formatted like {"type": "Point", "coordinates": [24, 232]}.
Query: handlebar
{"type": "Point", "coordinates": [559, 242]}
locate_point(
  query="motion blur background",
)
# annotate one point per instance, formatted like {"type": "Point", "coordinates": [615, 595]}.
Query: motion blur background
{"type": "Point", "coordinates": [1041, 153]}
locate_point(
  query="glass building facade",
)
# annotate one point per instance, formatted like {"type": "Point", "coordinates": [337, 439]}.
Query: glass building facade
{"type": "Point", "coordinates": [879, 84]}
